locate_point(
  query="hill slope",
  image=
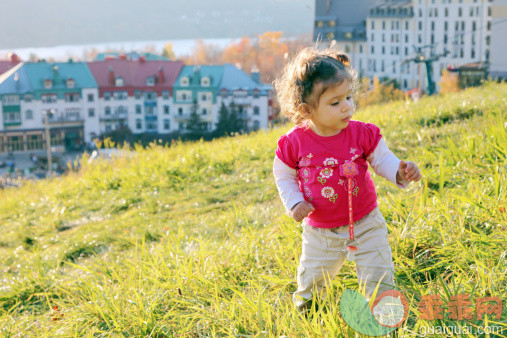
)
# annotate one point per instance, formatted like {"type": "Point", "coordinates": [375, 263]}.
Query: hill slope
{"type": "Point", "coordinates": [193, 239]}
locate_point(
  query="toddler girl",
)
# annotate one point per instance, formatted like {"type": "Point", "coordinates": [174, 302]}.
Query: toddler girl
{"type": "Point", "coordinates": [321, 172]}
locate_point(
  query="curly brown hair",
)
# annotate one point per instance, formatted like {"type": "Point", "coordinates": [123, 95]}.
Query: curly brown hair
{"type": "Point", "coordinates": [295, 84]}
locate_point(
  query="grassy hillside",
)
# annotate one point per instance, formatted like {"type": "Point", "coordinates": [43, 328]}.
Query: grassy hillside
{"type": "Point", "coordinates": [193, 239]}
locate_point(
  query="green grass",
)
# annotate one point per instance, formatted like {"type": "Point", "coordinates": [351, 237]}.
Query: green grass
{"type": "Point", "coordinates": [192, 239]}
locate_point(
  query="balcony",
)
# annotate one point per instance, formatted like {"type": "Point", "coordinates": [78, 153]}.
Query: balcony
{"type": "Point", "coordinates": [74, 117]}
{"type": "Point", "coordinates": [114, 117]}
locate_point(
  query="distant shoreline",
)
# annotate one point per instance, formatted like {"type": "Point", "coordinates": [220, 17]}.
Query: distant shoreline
{"type": "Point", "coordinates": [61, 53]}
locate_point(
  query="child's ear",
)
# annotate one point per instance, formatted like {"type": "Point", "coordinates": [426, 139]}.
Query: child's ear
{"type": "Point", "coordinates": [305, 109]}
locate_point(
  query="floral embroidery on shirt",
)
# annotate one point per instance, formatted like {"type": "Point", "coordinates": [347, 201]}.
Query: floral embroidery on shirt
{"type": "Point", "coordinates": [328, 192]}
{"type": "Point", "coordinates": [305, 161]}
{"type": "Point", "coordinates": [305, 173]}
{"type": "Point", "coordinates": [330, 161]}
{"type": "Point", "coordinates": [352, 150]}
{"type": "Point", "coordinates": [340, 182]}
{"type": "Point", "coordinates": [308, 193]}
{"type": "Point", "coordinates": [326, 172]}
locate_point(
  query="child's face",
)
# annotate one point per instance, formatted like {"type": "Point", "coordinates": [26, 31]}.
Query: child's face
{"type": "Point", "coordinates": [335, 107]}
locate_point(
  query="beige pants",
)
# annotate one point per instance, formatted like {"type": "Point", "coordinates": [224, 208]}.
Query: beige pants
{"type": "Point", "coordinates": [325, 250]}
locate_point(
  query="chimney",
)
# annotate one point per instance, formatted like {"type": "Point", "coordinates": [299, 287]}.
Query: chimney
{"type": "Point", "coordinates": [111, 75]}
{"type": "Point", "coordinates": [161, 78]}
{"type": "Point", "coordinates": [255, 74]}
{"type": "Point", "coordinates": [14, 58]}
{"type": "Point", "coordinates": [142, 59]}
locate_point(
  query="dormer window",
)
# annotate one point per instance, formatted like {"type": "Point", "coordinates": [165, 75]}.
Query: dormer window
{"type": "Point", "coordinates": [48, 84]}
{"type": "Point", "coordinates": [118, 82]}
{"type": "Point", "coordinates": [70, 83]}
{"type": "Point", "coordinates": [205, 81]}
{"type": "Point", "coordinates": [150, 81]}
{"type": "Point", "coordinates": [184, 81]}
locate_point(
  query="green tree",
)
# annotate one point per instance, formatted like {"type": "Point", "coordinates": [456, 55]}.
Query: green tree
{"type": "Point", "coordinates": [235, 120]}
{"type": "Point", "coordinates": [194, 123]}
{"type": "Point", "coordinates": [223, 125]}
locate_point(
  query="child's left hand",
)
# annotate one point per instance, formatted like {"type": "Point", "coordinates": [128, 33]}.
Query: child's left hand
{"type": "Point", "coordinates": [408, 171]}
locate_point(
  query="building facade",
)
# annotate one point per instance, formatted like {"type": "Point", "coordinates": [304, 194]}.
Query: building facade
{"type": "Point", "coordinates": [457, 31]}
{"type": "Point", "coordinates": [85, 100]}
{"type": "Point", "coordinates": [29, 91]}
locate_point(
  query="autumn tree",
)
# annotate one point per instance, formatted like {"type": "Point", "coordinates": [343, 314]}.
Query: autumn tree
{"type": "Point", "coordinates": [448, 82]}
{"type": "Point", "coordinates": [168, 52]}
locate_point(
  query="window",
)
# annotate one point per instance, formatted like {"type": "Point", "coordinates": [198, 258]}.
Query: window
{"type": "Point", "coordinates": [420, 25]}
{"type": "Point", "coordinates": [394, 67]}
{"type": "Point", "coordinates": [118, 82]}
{"type": "Point", "coordinates": [460, 11]}
{"type": "Point", "coordinates": [332, 23]}
{"type": "Point", "coordinates": [137, 94]}
{"type": "Point", "coordinates": [372, 50]}
{"type": "Point", "coordinates": [138, 109]}
{"type": "Point", "coordinates": [108, 127]}
{"type": "Point", "coordinates": [48, 84]}
{"type": "Point", "coordinates": [150, 81]}
{"type": "Point", "coordinates": [203, 97]}
{"type": "Point", "coordinates": [383, 37]}
{"type": "Point", "coordinates": [165, 95]}
{"type": "Point", "coordinates": [204, 111]}
{"type": "Point", "coordinates": [48, 98]}
{"type": "Point", "coordinates": [419, 38]}
{"type": "Point", "coordinates": [372, 24]}
{"type": "Point", "coordinates": [120, 95]}
{"type": "Point", "coordinates": [255, 93]}
{"type": "Point", "coordinates": [107, 96]}
{"type": "Point", "coordinates": [29, 115]}
{"type": "Point", "coordinates": [70, 83]}
{"type": "Point", "coordinates": [180, 111]}
{"type": "Point", "coordinates": [10, 100]}
{"type": "Point", "coordinates": [406, 37]}
{"type": "Point", "coordinates": [205, 81]}
{"type": "Point", "coordinates": [319, 24]}
{"type": "Point", "coordinates": [184, 81]}
{"type": "Point", "coordinates": [184, 96]}
{"type": "Point", "coordinates": [383, 50]}
{"type": "Point", "coordinates": [383, 25]}
{"type": "Point", "coordinates": [347, 49]}
{"type": "Point", "coordinates": [432, 25]}
{"type": "Point", "coordinates": [330, 36]}
{"type": "Point", "coordinates": [150, 96]}
{"type": "Point", "coordinates": [360, 51]}
{"type": "Point", "coordinates": [28, 97]}
{"type": "Point", "coordinates": [420, 12]}
{"type": "Point", "coordinates": [432, 38]}
{"type": "Point", "coordinates": [180, 126]}
{"type": "Point", "coordinates": [91, 97]}
{"type": "Point", "coordinates": [446, 26]}
{"type": "Point", "coordinates": [107, 110]}
{"type": "Point", "coordinates": [406, 50]}
{"type": "Point", "coordinates": [71, 97]}
{"type": "Point", "coordinates": [382, 66]}
{"type": "Point", "coordinates": [149, 111]}
{"type": "Point", "coordinates": [256, 125]}
{"type": "Point", "coordinates": [472, 53]}
{"type": "Point", "coordinates": [166, 110]}
{"type": "Point", "coordinates": [139, 123]}
{"type": "Point", "coordinates": [256, 110]}
{"type": "Point", "coordinates": [471, 11]}
{"type": "Point", "coordinates": [445, 38]}
{"type": "Point", "coordinates": [91, 112]}
{"type": "Point", "coordinates": [166, 124]}
{"type": "Point", "coordinates": [406, 25]}
{"type": "Point", "coordinates": [446, 12]}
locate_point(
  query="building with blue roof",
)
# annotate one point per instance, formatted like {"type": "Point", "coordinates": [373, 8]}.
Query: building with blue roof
{"type": "Point", "coordinates": [30, 90]}
{"type": "Point", "coordinates": [205, 88]}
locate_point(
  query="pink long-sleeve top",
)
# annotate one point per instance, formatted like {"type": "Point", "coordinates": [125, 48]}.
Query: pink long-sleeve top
{"type": "Point", "coordinates": [316, 161]}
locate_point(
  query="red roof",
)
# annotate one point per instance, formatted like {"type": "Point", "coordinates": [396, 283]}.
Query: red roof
{"type": "Point", "coordinates": [134, 74]}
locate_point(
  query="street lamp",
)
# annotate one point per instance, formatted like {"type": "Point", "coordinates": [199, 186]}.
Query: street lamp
{"type": "Point", "coordinates": [48, 112]}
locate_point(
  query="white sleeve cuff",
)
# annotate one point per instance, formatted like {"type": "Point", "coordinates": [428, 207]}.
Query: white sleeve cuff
{"type": "Point", "coordinates": [386, 164]}
{"type": "Point", "coordinates": [287, 184]}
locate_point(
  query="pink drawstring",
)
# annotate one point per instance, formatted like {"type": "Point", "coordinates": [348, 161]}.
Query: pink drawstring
{"type": "Point", "coordinates": [349, 169]}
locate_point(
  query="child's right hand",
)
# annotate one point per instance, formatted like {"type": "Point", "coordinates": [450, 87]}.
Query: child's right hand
{"type": "Point", "coordinates": [301, 210]}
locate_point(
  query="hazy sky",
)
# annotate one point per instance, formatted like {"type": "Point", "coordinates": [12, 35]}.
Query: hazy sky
{"type": "Point", "coordinates": [47, 23]}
